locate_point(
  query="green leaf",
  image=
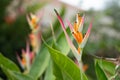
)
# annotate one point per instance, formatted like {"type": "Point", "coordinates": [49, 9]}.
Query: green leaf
{"type": "Point", "coordinates": [117, 72]}
{"type": "Point", "coordinates": [40, 63]}
{"type": "Point", "coordinates": [8, 63]}
{"type": "Point", "coordinates": [7, 73]}
{"type": "Point", "coordinates": [20, 76]}
{"type": "Point", "coordinates": [66, 65]}
{"type": "Point", "coordinates": [62, 43]}
{"type": "Point", "coordinates": [13, 75]}
{"type": "Point", "coordinates": [57, 72]}
{"type": "Point", "coordinates": [60, 74]}
{"type": "Point", "coordinates": [108, 67]}
{"type": "Point", "coordinates": [99, 71]}
{"type": "Point", "coordinates": [117, 77]}
{"type": "Point", "coordinates": [49, 72]}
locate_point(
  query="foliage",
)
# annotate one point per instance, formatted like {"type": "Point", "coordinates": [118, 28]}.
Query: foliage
{"type": "Point", "coordinates": [53, 60]}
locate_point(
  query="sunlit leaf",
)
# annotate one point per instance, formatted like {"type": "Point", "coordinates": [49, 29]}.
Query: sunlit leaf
{"type": "Point", "coordinates": [6, 72]}
{"type": "Point", "coordinates": [60, 74]}
{"type": "Point", "coordinates": [57, 72]}
{"type": "Point", "coordinates": [99, 71]}
{"type": "Point", "coordinates": [40, 63]}
{"type": "Point", "coordinates": [20, 76]}
{"type": "Point", "coordinates": [67, 66]}
{"type": "Point", "coordinates": [8, 63]}
{"type": "Point", "coordinates": [13, 75]}
{"type": "Point", "coordinates": [62, 43]}
{"type": "Point", "coordinates": [49, 72]}
{"type": "Point", "coordinates": [108, 67]}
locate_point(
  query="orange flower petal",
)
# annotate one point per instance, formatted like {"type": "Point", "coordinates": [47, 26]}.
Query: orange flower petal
{"type": "Point", "coordinates": [79, 50]}
{"type": "Point", "coordinates": [34, 23]}
{"type": "Point", "coordinates": [85, 67]}
{"type": "Point", "coordinates": [23, 62]}
{"type": "Point", "coordinates": [78, 36]}
{"type": "Point", "coordinates": [75, 26]}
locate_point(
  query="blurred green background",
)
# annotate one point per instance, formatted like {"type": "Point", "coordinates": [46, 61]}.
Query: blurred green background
{"type": "Point", "coordinates": [14, 30]}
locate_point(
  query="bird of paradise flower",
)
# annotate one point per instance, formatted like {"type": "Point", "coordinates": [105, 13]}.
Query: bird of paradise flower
{"type": "Point", "coordinates": [76, 30]}
{"type": "Point", "coordinates": [27, 58]}
{"type": "Point", "coordinates": [35, 35]}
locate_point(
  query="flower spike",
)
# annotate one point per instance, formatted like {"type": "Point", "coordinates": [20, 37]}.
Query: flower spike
{"type": "Point", "coordinates": [35, 35]}
{"type": "Point", "coordinates": [27, 58]}
{"type": "Point", "coordinates": [76, 30]}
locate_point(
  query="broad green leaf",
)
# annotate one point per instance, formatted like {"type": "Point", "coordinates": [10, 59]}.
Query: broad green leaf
{"type": "Point", "coordinates": [108, 67]}
{"type": "Point", "coordinates": [62, 43]}
{"type": "Point", "coordinates": [66, 76]}
{"type": "Point", "coordinates": [49, 72]}
{"type": "Point", "coordinates": [99, 71]}
{"type": "Point", "coordinates": [40, 63]}
{"type": "Point", "coordinates": [61, 74]}
{"type": "Point", "coordinates": [13, 75]}
{"type": "Point", "coordinates": [6, 72]}
{"type": "Point", "coordinates": [66, 65]}
{"type": "Point", "coordinates": [20, 76]}
{"type": "Point", "coordinates": [84, 77]}
{"type": "Point", "coordinates": [57, 72]}
{"type": "Point", "coordinates": [8, 63]}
